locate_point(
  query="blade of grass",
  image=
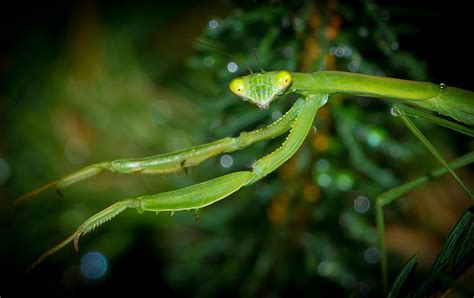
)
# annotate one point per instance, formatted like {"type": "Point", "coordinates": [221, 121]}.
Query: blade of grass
{"type": "Point", "coordinates": [401, 278]}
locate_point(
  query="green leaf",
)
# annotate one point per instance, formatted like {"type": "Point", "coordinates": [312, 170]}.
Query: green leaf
{"type": "Point", "coordinates": [467, 242]}
{"type": "Point", "coordinates": [402, 277]}
{"type": "Point", "coordinates": [457, 245]}
{"type": "Point", "coordinates": [448, 250]}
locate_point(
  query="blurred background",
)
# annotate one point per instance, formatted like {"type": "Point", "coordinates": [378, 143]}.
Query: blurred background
{"type": "Point", "coordinates": [87, 81]}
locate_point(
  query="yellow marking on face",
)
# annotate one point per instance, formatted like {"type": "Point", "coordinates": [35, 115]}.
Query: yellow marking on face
{"type": "Point", "coordinates": [282, 79]}
{"type": "Point", "coordinates": [238, 87]}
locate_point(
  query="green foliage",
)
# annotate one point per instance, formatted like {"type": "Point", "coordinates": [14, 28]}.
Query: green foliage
{"type": "Point", "coordinates": [454, 257]}
{"type": "Point", "coordinates": [401, 278]}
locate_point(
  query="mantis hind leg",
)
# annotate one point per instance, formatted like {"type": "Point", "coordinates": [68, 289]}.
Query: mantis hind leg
{"type": "Point", "coordinates": [400, 112]}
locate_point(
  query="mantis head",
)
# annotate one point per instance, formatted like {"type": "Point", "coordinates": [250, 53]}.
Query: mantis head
{"type": "Point", "coordinates": [261, 88]}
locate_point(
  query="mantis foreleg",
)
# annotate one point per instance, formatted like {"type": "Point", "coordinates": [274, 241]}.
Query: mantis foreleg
{"type": "Point", "coordinates": [175, 161]}
{"type": "Point", "coordinates": [188, 198]}
{"type": "Point", "coordinates": [298, 133]}
{"type": "Point", "coordinates": [394, 193]}
{"type": "Point", "coordinates": [206, 193]}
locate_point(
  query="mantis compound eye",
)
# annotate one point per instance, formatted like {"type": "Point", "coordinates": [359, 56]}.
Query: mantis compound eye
{"type": "Point", "coordinates": [282, 79]}
{"type": "Point", "coordinates": [238, 87]}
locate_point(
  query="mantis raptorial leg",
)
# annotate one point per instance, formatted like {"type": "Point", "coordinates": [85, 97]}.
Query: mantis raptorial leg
{"type": "Point", "coordinates": [175, 161]}
{"type": "Point", "coordinates": [188, 198]}
{"type": "Point", "coordinates": [203, 194]}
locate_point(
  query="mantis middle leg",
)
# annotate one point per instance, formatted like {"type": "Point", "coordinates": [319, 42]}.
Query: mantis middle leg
{"type": "Point", "coordinates": [398, 109]}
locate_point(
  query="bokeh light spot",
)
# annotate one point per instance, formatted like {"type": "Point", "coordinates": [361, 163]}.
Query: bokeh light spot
{"type": "Point", "coordinates": [353, 66]}
{"type": "Point", "coordinates": [374, 138]}
{"type": "Point", "coordinates": [361, 204]}
{"type": "Point", "coordinates": [213, 24]}
{"type": "Point", "coordinates": [276, 115]}
{"type": "Point", "coordinates": [232, 67]}
{"type": "Point", "coordinates": [322, 165]}
{"type": "Point", "coordinates": [340, 51]}
{"type": "Point", "coordinates": [344, 181]}
{"type": "Point", "coordinates": [372, 255]}
{"type": "Point", "coordinates": [226, 161]}
{"type": "Point", "coordinates": [208, 61]}
{"type": "Point", "coordinates": [93, 265]}
{"type": "Point", "coordinates": [325, 268]}
{"type": "Point", "coordinates": [324, 180]}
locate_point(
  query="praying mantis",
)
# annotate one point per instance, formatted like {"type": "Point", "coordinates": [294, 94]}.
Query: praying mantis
{"type": "Point", "coordinates": [410, 98]}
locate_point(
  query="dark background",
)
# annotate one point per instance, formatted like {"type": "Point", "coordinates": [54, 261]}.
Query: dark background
{"type": "Point", "coordinates": [445, 33]}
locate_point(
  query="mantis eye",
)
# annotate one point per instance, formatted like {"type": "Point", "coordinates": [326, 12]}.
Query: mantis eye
{"type": "Point", "coordinates": [237, 86]}
{"type": "Point", "coordinates": [282, 79]}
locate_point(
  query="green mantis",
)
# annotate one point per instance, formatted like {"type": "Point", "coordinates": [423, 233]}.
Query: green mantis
{"type": "Point", "coordinates": [261, 89]}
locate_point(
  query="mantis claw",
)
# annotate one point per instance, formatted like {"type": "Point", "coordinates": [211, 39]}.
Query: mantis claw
{"type": "Point", "coordinates": [32, 193]}
{"type": "Point", "coordinates": [51, 251]}
{"type": "Point", "coordinates": [89, 225]}
{"type": "Point", "coordinates": [64, 182]}
{"type": "Point", "coordinates": [76, 242]}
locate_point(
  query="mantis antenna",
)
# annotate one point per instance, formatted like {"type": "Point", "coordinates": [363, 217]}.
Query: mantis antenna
{"type": "Point", "coordinates": [254, 54]}
{"type": "Point", "coordinates": [221, 51]}
{"type": "Point", "coordinates": [224, 53]}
